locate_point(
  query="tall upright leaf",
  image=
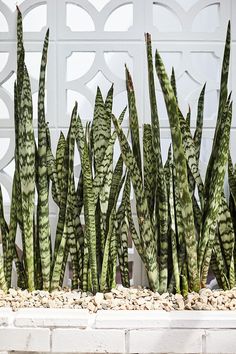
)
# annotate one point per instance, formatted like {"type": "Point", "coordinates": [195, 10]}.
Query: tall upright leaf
{"type": "Point", "coordinates": [181, 170]}
{"type": "Point", "coordinates": [43, 204]}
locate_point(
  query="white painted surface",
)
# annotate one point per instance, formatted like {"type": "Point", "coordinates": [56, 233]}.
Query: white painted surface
{"type": "Point", "coordinates": [77, 331]}
{"type": "Point", "coordinates": [88, 341]}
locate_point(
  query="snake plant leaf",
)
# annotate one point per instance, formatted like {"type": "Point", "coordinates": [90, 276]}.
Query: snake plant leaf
{"type": "Point", "coordinates": [108, 271]}
{"type": "Point", "coordinates": [173, 232]}
{"type": "Point", "coordinates": [149, 167]}
{"type": "Point", "coordinates": [72, 245]}
{"type": "Point", "coordinates": [197, 215]}
{"type": "Point", "coordinates": [231, 178]}
{"type": "Point", "coordinates": [52, 175]}
{"type": "Point", "coordinates": [116, 179]}
{"type": "Point", "coordinates": [188, 117]}
{"type": "Point", "coordinates": [173, 83]}
{"type": "Point", "coordinates": [12, 233]}
{"type": "Point", "coordinates": [43, 204]}
{"type": "Point", "coordinates": [222, 102]}
{"type": "Point", "coordinates": [65, 237]}
{"type": "Point", "coordinates": [213, 195]}
{"type": "Point", "coordinates": [106, 162]}
{"type": "Point", "coordinates": [190, 154]}
{"type": "Point", "coordinates": [65, 205]}
{"type": "Point", "coordinates": [89, 213]}
{"type": "Point", "coordinates": [103, 281]}
{"type": "Point", "coordinates": [126, 205]}
{"type": "Point", "coordinates": [221, 264]}
{"type": "Point", "coordinates": [160, 193]}
{"type": "Point", "coordinates": [109, 101]}
{"type": "Point", "coordinates": [144, 219]}
{"type": "Point", "coordinates": [105, 190]}
{"type": "Point", "coordinates": [153, 103]}
{"type": "Point", "coordinates": [60, 153]}
{"type": "Point", "coordinates": [122, 247]}
{"type": "Point", "coordinates": [199, 124]}
{"type": "Point", "coordinates": [4, 232]}
{"type": "Point", "coordinates": [226, 237]}
{"type": "Point", "coordinates": [89, 207]}
{"type": "Point", "coordinates": [17, 111]}
{"type": "Point", "coordinates": [113, 256]}
{"type": "Point", "coordinates": [20, 58]}
{"type": "Point", "coordinates": [122, 228]}
{"type": "Point", "coordinates": [27, 174]}
{"type": "Point", "coordinates": [133, 119]}
{"type": "Point", "coordinates": [181, 171]}
{"type": "Point", "coordinates": [73, 220]}
{"type": "Point", "coordinates": [104, 139]}
{"type": "Point", "coordinates": [179, 221]}
{"type": "Point", "coordinates": [215, 269]}
{"type": "Point", "coordinates": [101, 128]}
{"type": "Point", "coordinates": [3, 283]}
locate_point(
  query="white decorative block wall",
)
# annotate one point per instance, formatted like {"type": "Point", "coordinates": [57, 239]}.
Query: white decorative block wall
{"type": "Point", "coordinates": [91, 40]}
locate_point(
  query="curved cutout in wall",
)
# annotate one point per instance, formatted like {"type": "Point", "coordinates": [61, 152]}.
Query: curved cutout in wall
{"type": "Point", "coordinates": [99, 4]}
{"type": "Point", "coordinates": [12, 3]}
{"type": "Point", "coordinates": [186, 85]}
{"type": "Point", "coordinates": [4, 113]}
{"type": "Point", "coordinates": [33, 61]}
{"type": "Point", "coordinates": [164, 19]}
{"type": "Point", "coordinates": [3, 23]}
{"type": "Point", "coordinates": [8, 85]}
{"type": "Point", "coordinates": [186, 4]}
{"type": "Point", "coordinates": [206, 64]}
{"type": "Point", "coordinates": [3, 59]}
{"type": "Point", "coordinates": [78, 19]}
{"type": "Point", "coordinates": [99, 80]}
{"type": "Point", "coordinates": [10, 168]}
{"type": "Point", "coordinates": [208, 19]}
{"type": "Point", "coordinates": [211, 99]}
{"type": "Point", "coordinates": [35, 19]}
{"type": "Point", "coordinates": [5, 194]}
{"type": "Point", "coordinates": [120, 101]}
{"type": "Point", "coordinates": [116, 63]}
{"type": "Point", "coordinates": [78, 64]}
{"type": "Point", "coordinates": [5, 142]}
{"type": "Point", "coordinates": [120, 19]}
{"type": "Point", "coordinates": [85, 109]}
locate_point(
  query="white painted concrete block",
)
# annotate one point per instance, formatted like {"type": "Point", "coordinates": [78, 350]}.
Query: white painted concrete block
{"type": "Point", "coordinates": [165, 341]}
{"type": "Point", "coordinates": [221, 341]}
{"type": "Point", "coordinates": [5, 314]}
{"type": "Point", "coordinates": [25, 339]}
{"type": "Point", "coordinates": [202, 319]}
{"type": "Point", "coordinates": [52, 318]}
{"type": "Point", "coordinates": [88, 341]}
{"type": "Point", "coordinates": [162, 319]}
{"type": "Point", "coordinates": [132, 319]}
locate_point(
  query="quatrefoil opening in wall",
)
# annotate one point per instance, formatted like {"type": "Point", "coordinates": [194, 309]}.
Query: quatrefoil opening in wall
{"type": "Point", "coordinates": [35, 19]}
{"type": "Point", "coordinates": [92, 19]}
{"type": "Point", "coordinates": [87, 67]}
{"type": "Point", "coordinates": [189, 19]}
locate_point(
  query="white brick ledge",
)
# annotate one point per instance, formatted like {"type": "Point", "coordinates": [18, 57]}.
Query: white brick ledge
{"type": "Point", "coordinates": [78, 331]}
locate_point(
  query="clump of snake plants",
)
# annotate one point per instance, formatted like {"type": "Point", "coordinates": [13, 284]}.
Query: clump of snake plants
{"type": "Point", "coordinates": [93, 248]}
{"type": "Point", "coordinates": [186, 225]}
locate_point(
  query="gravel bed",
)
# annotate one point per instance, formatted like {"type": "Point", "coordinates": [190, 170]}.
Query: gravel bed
{"type": "Point", "coordinates": [120, 299]}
